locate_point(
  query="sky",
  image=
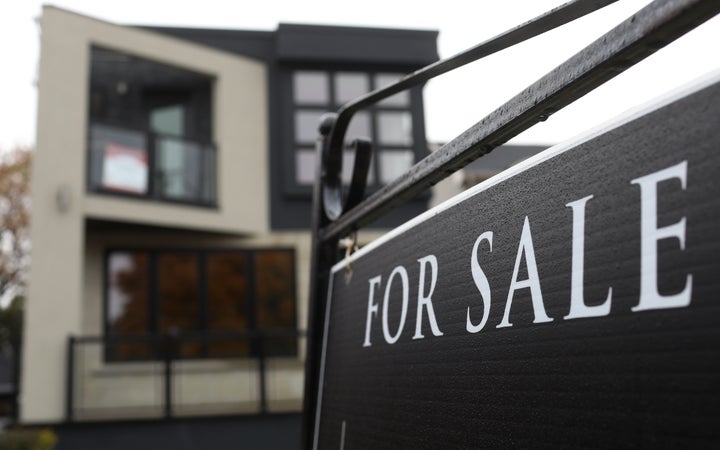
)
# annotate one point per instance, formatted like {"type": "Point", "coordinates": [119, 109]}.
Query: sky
{"type": "Point", "coordinates": [453, 102]}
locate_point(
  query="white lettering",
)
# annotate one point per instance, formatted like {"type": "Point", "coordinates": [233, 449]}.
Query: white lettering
{"type": "Point", "coordinates": [650, 234]}
{"type": "Point", "coordinates": [481, 282]}
{"type": "Point", "coordinates": [389, 338]}
{"type": "Point", "coordinates": [372, 308]}
{"type": "Point", "coordinates": [533, 281]}
{"type": "Point", "coordinates": [425, 300]}
{"type": "Point", "coordinates": [578, 308]}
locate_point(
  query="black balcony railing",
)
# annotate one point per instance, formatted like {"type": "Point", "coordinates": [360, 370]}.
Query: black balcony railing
{"type": "Point", "coordinates": [143, 164]}
{"type": "Point", "coordinates": [253, 372]}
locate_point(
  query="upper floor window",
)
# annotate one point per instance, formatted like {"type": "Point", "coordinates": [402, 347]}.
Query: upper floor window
{"type": "Point", "coordinates": [150, 130]}
{"type": "Point", "coordinates": [389, 124]}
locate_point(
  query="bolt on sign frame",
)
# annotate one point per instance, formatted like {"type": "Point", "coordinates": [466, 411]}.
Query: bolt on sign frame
{"type": "Point", "coordinates": [506, 349]}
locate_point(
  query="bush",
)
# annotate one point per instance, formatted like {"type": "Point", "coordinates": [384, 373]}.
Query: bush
{"type": "Point", "coordinates": [24, 439]}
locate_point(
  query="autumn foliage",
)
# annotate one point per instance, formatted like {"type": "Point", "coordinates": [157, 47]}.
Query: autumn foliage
{"type": "Point", "coordinates": [14, 223]}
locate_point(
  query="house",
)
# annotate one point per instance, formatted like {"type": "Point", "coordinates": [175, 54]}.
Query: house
{"type": "Point", "coordinates": [171, 206]}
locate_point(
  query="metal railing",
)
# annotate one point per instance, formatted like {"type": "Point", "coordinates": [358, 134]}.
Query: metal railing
{"type": "Point", "coordinates": [336, 214]}
{"type": "Point", "coordinates": [169, 376]}
{"type": "Point", "coordinates": [144, 164]}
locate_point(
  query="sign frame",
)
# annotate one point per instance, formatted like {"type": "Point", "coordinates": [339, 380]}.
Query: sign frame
{"type": "Point", "coordinates": [339, 269]}
{"type": "Point", "coordinates": [336, 215]}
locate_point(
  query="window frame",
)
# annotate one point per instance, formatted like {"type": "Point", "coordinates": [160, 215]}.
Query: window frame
{"type": "Point", "coordinates": [153, 334]}
{"type": "Point", "coordinates": [144, 98]}
{"type": "Point", "coordinates": [289, 184]}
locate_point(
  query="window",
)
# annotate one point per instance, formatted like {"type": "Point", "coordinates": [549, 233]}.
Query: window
{"type": "Point", "coordinates": [208, 299]}
{"type": "Point", "coordinates": [150, 130]}
{"type": "Point", "coordinates": [389, 125]}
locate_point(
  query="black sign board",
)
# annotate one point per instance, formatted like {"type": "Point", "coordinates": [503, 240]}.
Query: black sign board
{"type": "Point", "coordinates": [573, 301]}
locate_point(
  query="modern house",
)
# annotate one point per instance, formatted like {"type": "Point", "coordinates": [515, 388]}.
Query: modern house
{"type": "Point", "coordinates": [171, 206]}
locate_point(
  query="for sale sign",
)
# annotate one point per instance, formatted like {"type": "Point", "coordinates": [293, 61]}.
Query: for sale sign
{"type": "Point", "coordinates": [572, 301]}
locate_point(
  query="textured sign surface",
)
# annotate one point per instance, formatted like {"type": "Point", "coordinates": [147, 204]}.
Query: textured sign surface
{"type": "Point", "coordinates": [573, 301]}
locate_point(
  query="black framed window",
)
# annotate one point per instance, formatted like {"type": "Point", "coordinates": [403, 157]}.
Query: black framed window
{"type": "Point", "coordinates": [150, 130]}
{"type": "Point", "coordinates": [390, 125]}
{"type": "Point", "coordinates": [208, 300]}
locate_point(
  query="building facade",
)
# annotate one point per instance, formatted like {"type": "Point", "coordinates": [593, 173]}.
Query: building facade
{"type": "Point", "coordinates": [171, 206]}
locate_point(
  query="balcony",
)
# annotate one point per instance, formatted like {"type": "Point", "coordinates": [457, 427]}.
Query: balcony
{"type": "Point", "coordinates": [146, 165]}
{"type": "Point", "coordinates": [235, 374]}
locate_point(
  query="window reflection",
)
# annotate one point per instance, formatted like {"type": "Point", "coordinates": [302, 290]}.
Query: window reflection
{"type": "Point", "coordinates": [359, 127]}
{"type": "Point", "coordinates": [178, 165]}
{"type": "Point", "coordinates": [310, 87]}
{"type": "Point", "coordinates": [275, 308]}
{"type": "Point", "coordinates": [178, 297]}
{"type": "Point", "coordinates": [227, 298]}
{"type": "Point", "coordinates": [128, 303]}
{"type": "Point", "coordinates": [305, 166]}
{"type": "Point", "coordinates": [306, 125]}
{"type": "Point", "coordinates": [349, 86]}
{"type": "Point", "coordinates": [401, 99]}
{"type": "Point", "coordinates": [210, 302]}
{"type": "Point", "coordinates": [395, 128]}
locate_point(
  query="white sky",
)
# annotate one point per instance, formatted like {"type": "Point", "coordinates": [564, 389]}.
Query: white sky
{"type": "Point", "coordinates": [453, 102]}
